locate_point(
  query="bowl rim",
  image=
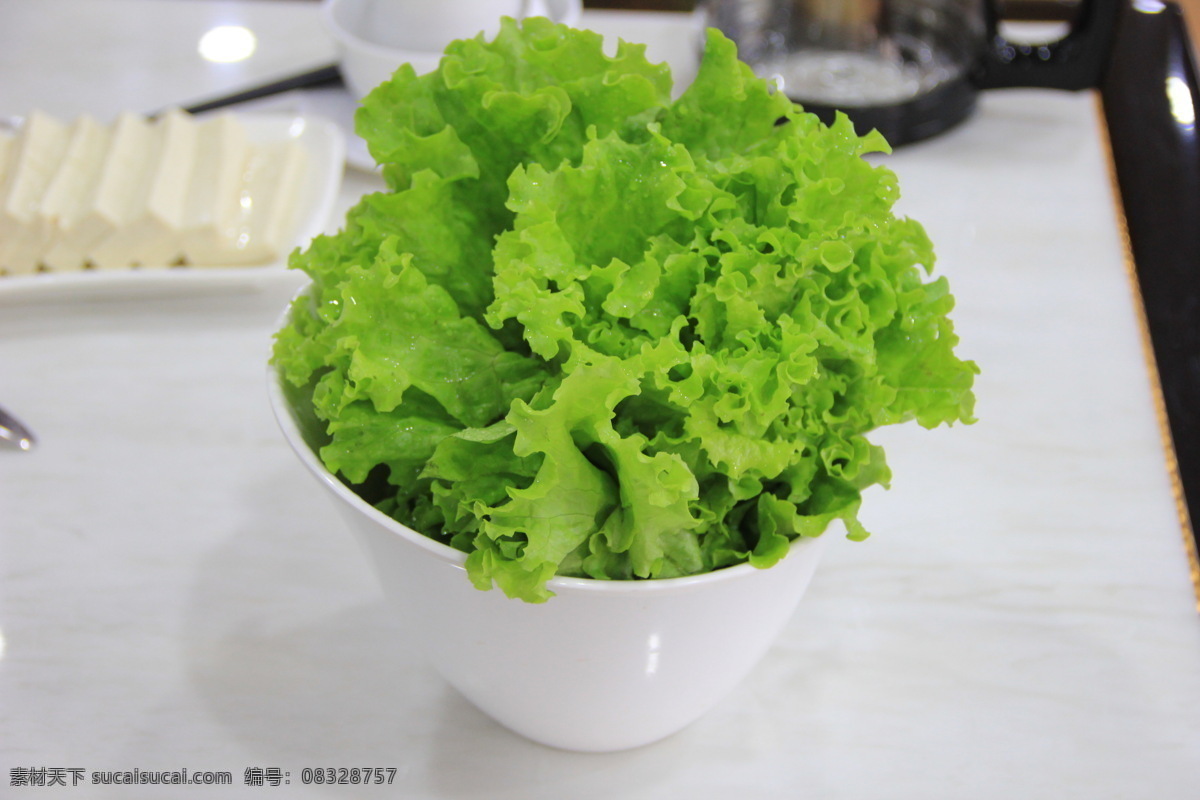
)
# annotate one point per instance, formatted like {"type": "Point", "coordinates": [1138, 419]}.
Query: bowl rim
{"type": "Point", "coordinates": [457, 558]}
{"type": "Point", "coordinates": [349, 38]}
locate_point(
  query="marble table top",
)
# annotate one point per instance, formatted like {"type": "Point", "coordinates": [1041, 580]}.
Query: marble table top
{"type": "Point", "coordinates": [175, 595]}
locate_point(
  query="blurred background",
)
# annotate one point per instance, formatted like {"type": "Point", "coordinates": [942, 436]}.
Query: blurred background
{"type": "Point", "coordinates": [1031, 10]}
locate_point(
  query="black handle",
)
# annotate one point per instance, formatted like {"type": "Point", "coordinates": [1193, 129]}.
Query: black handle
{"type": "Point", "coordinates": [326, 75]}
{"type": "Point", "coordinates": [1151, 95]}
{"type": "Point", "coordinates": [1076, 61]}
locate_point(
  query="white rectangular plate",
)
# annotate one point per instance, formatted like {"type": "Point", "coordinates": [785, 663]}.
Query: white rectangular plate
{"type": "Point", "coordinates": [325, 146]}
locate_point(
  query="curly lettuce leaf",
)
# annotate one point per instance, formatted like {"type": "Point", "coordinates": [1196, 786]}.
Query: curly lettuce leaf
{"type": "Point", "coordinates": [590, 331]}
{"type": "Point", "coordinates": [528, 96]}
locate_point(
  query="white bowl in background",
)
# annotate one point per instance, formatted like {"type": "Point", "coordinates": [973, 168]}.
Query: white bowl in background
{"type": "Point", "coordinates": [602, 665]}
{"type": "Point", "coordinates": [374, 37]}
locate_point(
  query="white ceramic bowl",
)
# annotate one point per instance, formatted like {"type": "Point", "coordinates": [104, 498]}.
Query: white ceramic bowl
{"type": "Point", "coordinates": [374, 37]}
{"type": "Point", "coordinates": [603, 665]}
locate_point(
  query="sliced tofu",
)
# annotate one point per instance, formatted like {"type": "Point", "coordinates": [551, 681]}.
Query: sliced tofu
{"type": "Point", "coordinates": [69, 193]}
{"type": "Point", "coordinates": [258, 221]}
{"type": "Point", "coordinates": [6, 149]}
{"type": "Point", "coordinates": [121, 194]}
{"type": "Point", "coordinates": [144, 193]}
{"type": "Point", "coordinates": [222, 152]}
{"type": "Point", "coordinates": [7, 156]}
{"type": "Point", "coordinates": [274, 185]}
{"type": "Point", "coordinates": [123, 173]}
{"type": "Point", "coordinates": [148, 234]}
{"type": "Point", "coordinates": [36, 153]}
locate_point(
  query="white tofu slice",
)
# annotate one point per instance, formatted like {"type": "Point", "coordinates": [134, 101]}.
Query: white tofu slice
{"type": "Point", "coordinates": [148, 233]}
{"type": "Point", "coordinates": [69, 193]}
{"type": "Point", "coordinates": [261, 223]}
{"type": "Point", "coordinates": [125, 169]}
{"type": "Point", "coordinates": [121, 194]}
{"type": "Point", "coordinates": [7, 157]}
{"type": "Point", "coordinates": [6, 148]}
{"type": "Point", "coordinates": [36, 153]}
{"type": "Point", "coordinates": [221, 155]}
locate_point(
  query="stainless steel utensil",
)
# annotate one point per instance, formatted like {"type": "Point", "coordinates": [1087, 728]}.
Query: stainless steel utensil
{"type": "Point", "coordinates": [13, 433]}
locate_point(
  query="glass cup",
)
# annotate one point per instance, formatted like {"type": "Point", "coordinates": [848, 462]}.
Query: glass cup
{"type": "Point", "coordinates": [911, 68]}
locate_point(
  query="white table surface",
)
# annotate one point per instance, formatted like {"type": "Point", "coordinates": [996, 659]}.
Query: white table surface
{"type": "Point", "coordinates": [175, 592]}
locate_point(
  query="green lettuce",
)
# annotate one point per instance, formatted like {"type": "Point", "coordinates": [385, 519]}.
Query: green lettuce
{"type": "Point", "coordinates": [591, 331]}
